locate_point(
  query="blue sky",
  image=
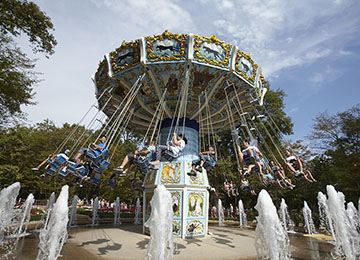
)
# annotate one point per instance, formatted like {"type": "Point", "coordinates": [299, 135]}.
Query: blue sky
{"type": "Point", "coordinates": [308, 48]}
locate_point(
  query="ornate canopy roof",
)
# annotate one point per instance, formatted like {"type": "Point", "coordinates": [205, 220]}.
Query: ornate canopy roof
{"type": "Point", "coordinates": [214, 67]}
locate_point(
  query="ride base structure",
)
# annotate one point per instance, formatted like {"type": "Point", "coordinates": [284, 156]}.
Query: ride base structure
{"type": "Point", "coordinates": [190, 198]}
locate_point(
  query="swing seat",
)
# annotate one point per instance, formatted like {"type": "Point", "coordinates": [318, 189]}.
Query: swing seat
{"type": "Point", "coordinates": [62, 174]}
{"type": "Point", "coordinates": [96, 179]}
{"type": "Point", "coordinates": [209, 164]}
{"type": "Point", "coordinates": [96, 156]}
{"type": "Point", "coordinates": [142, 163]}
{"type": "Point", "coordinates": [169, 155]}
{"type": "Point", "coordinates": [70, 169]}
{"type": "Point", "coordinates": [51, 169]}
{"type": "Point", "coordinates": [61, 159]}
{"type": "Point", "coordinates": [102, 166]}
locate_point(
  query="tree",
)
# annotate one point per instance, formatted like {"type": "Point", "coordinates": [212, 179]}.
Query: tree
{"type": "Point", "coordinates": [339, 138]}
{"type": "Point", "coordinates": [17, 77]}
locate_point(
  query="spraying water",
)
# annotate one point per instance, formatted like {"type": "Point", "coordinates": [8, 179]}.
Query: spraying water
{"type": "Point", "coordinates": [25, 215]}
{"type": "Point", "coordinates": [271, 240]}
{"type": "Point", "coordinates": [286, 221]}
{"type": "Point", "coordinates": [325, 220]}
{"type": "Point", "coordinates": [95, 216]}
{"type": "Point", "coordinates": [308, 221]}
{"type": "Point", "coordinates": [345, 242]}
{"type": "Point", "coordinates": [137, 212]}
{"type": "Point", "coordinates": [160, 223]}
{"type": "Point", "coordinates": [242, 215]}
{"type": "Point", "coordinates": [7, 202]}
{"type": "Point", "coordinates": [117, 211]}
{"type": "Point", "coordinates": [73, 211]}
{"type": "Point", "coordinates": [220, 214]}
{"type": "Point", "coordinates": [352, 214]}
{"type": "Point", "coordinates": [54, 235]}
{"type": "Point", "coordinates": [48, 209]}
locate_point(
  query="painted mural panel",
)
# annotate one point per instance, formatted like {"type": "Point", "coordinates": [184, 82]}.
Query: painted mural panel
{"type": "Point", "coordinates": [196, 204]}
{"type": "Point", "coordinates": [195, 228]}
{"type": "Point", "coordinates": [170, 173]}
{"type": "Point", "coordinates": [150, 177]}
{"type": "Point", "coordinates": [176, 203]}
{"type": "Point", "coordinates": [177, 228]}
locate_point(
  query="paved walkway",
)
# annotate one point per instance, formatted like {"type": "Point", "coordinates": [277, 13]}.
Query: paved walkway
{"type": "Point", "coordinates": [127, 242]}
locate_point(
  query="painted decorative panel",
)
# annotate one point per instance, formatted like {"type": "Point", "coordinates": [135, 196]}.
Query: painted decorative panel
{"type": "Point", "coordinates": [170, 173]}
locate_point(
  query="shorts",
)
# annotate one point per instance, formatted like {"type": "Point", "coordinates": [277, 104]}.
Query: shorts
{"type": "Point", "coordinates": [82, 151]}
{"type": "Point", "coordinates": [132, 157]}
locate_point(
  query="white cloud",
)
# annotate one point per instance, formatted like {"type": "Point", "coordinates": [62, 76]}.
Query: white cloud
{"type": "Point", "coordinates": [328, 74]}
{"type": "Point", "coordinates": [283, 33]}
{"type": "Point", "coordinates": [148, 16]}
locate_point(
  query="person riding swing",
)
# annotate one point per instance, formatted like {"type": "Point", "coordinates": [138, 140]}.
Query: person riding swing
{"type": "Point", "coordinates": [207, 158]}
{"type": "Point", "coordinates": [176, 146]}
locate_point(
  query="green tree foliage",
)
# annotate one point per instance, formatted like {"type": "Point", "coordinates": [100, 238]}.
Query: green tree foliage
{"type": "Point", "coordinates": [339, 137]}
{"type": "Point", "coordinates": [21, 16]}
{"type": "Point", "coordinates": [22, 148]}
{"type": "Point", "coordinates": [17, 77]}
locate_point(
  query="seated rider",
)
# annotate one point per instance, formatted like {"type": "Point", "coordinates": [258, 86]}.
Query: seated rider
{"type": "Point", "coordinates": [198, 164]}
{"type": "Point", "coordinates": [129, 160]}
{"type": "Point", "coordinates": [279, 176]}
{"type": "Point", "coordinates": [80, 155]}
{"type": "Point", "coordinates": [132, 157]}
{"type": "Point", "coordinates": [250, 156]}
{"type": "Point", "coordinates": [52, 157]}
{"type": "Point", "coordinates": [295, 164]}
{"type": "Point", "coordinates": [176, 146]}
{"type": "Point", "coordinates": [245, 185]}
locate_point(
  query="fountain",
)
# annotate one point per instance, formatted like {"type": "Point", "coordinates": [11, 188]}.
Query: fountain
{"type": "Point", "coordinates": [137, 212]}
{"type": "Point", "coordinates": [346, 243]}
{"type": "Point", "coordinates": [271, 240]}
{"type": "Point", "coordinates": [48, 209]}
{"type": "Point", "coordinates": [117, 211]}
{"type": "Point", "coordinates": [73, 211]}
{"type": "Point", "coordinates": [53, 236]}
{"type": "Point", "coordinates": [25, 216]}
{"type": "Point", "coordinates": [242, 215]}
{"type": "Point", "coordinates": [95, 216]}
{"type": "Point", "coordinates": [286, 222]}
{"type": "Point", "coordinates": [7, 202]}
{"type": "Point", "coordinates": [308, 221]}
{"type": "Point", "coordinates": [220, 214]}
{"type": "Point", "coordinates": [325, 219]}
{"type": "Point", "coordinates": [353, 216]}
{"type": "Point", "coordinates": [160, 223]}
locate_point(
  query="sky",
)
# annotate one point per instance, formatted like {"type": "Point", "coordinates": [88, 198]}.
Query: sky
{"type": "Point", "coordinates": [308, 48]}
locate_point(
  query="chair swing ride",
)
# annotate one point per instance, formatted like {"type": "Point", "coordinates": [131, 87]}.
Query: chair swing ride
{"type": "Point", "coordinates": [187, 84]}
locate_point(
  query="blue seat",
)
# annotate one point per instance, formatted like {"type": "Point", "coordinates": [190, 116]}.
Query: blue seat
{"type": "Point", "coordinates": [51, 169]}
{"type": "Point", "coordinates": [142, 164]}
{"type": "Point", "coordinates": [71, 168]}
{"type": "Point", "coordinates": [95, 179]}
{"type": "Point", "coordinates": [209, 164]}
{"type": "Point", "coordinates": [61, 159]}
{"type": "Point", "coordinates": [102, 166]}
{"type": "Point", "coordinates": [95, 155]}
{"type": "Point", "coordinates": [62, 174]}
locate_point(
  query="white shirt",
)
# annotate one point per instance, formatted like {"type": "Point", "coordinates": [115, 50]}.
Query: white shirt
{"type": "Point", "coordinates": [176, 148]}
{"type": "Point", "coordinates": [291, 158]}
{"type": "Point", "coordinates": [63, 155]}
{"type": "Point", "coordinates": [151, 148]}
